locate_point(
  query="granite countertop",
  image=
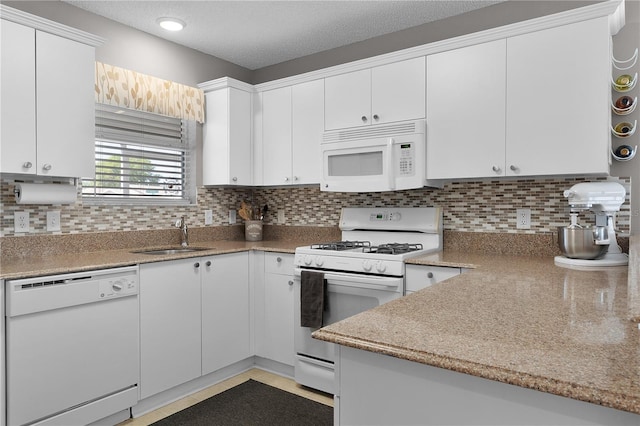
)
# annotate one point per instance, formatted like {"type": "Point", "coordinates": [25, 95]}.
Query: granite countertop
{"type": "Point", "coordinates": [31, 266]}
{"type": "Point", "coordinates": [519, 320]}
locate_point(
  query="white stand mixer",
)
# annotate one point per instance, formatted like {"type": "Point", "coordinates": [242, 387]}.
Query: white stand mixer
{"type": "Point", "coordinates": [604, 199]}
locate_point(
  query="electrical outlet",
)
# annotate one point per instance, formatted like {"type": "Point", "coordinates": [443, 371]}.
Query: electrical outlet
{"type": "Point", "coordinates": [53, 220]}
{"type": "Point", "coordinates": [208, 217]}
{"type": "Point", "coordinates": [232, 217]}
{"type": "Point", "coordinates": [523, 217]}
{"type": "Point", "coordinates": [21, 222]}
{"type": "Point", "coordinates": [281, 218]}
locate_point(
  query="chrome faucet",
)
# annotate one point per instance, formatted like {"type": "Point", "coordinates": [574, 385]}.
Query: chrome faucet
{"type": "Point", "coordinates": [184, 232]}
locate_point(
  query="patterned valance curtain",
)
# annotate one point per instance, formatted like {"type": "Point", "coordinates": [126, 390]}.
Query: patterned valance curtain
{"type": "Point", "coordinates": [129, 89]}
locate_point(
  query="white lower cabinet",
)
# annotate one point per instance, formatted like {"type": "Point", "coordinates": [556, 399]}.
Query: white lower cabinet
{"type": "Point", "coordinates": [418, 277]}
{"type": "Point", "coordinates": [225, 311]}
{"type": "Point", "coordinates": [170, 325]}
{"type": "Point", "coordinates": [274, 309]}
{"type": "Point", "coordinates": [194, 319]}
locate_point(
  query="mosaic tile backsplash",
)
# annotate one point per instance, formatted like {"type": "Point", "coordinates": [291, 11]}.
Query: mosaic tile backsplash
{"type": "Point", "coordinates": [487, 206]}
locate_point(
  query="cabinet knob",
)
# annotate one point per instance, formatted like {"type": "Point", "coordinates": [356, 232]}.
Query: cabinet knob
{"type": "Point", "coordinates": [286, 179]}
{"type": "Point", "coordinates": [235, 179]}
{"type": "Point", "coordinates": [496, 169]}
{"type": "Point", "coordinates": [290, 282]}
{"type": "Point", "coordinates": [208, 263]}
{"type": "Point", "coordinates": [46, 167]}
{"type": "Point", "coordinates": [295, 178]}
{"type": "Point", "coordinates": [196, 265]}
{"type": "Point", "coordinates": [278, 259]}
{"type": "Point", "coordinates": [513, 168]}
{"type": "Point", "coordinates": [430, 275]}
{"type": "Point", "coordinates": [27, 165]}
{"type": "Point", "coordinates": [364, 118]}
{"type": "Point", "coordinates": [376, 117]}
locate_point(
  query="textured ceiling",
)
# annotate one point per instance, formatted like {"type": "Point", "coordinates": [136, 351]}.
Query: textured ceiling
{"type": "Point", "coordinates": [256, 34]}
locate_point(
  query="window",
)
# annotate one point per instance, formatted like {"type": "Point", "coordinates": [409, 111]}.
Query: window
{"type": "Point", "coordinates": [141, 157]}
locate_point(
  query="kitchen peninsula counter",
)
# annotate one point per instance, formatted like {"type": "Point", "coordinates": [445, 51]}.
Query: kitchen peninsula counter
{"type": "Point", "coordinates": [30, 266]}
{"type": "Point", "coordinates": [516, 320]}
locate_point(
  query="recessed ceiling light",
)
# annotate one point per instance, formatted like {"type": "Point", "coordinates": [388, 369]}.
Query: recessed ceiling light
{"type": "Point", "coordinates": [171, 24]}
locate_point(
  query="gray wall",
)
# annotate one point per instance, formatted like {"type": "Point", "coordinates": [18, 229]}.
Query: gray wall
{"type": "Point", "coordinates": [137, 50]}
{"type": "Point", "coordinates": [470, 22]}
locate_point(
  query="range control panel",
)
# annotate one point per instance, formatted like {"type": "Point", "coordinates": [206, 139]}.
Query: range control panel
{"type": "Point", "coordinates": [384, 216]}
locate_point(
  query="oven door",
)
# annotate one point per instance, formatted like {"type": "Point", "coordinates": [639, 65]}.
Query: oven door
{"type": "Point", "coordinates": [348, 295]}
{"type": "Point", "coordinates": [374, 165]}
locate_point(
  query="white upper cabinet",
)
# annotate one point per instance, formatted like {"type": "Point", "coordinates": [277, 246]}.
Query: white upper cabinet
{"type": "Point", "coordinates": [292, 124]}
{"type": "Point", "coordinates": [466, 112]}
{"type": "Point", "coordinates": [226, 148]}
{"type": "Point", "coordinates": [535, 104]}
{"type": "Point", "coordinates": [558, 100]}
{"type": "Point", "coordinates": [387, 93]}
{"type": "Point", "coordinates": [308, 125]}
{"type": "Point", "coordinates": [48, 113]}
{"type": "Point", "coordinates": [276, 136]}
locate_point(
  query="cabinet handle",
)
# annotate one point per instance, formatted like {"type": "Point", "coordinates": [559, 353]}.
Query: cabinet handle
{"type": "Point", "coordinates": [376, 117]}
{"type": "Point", "coordinates": [430, 275]}
{"type": "Point", "coordinates": [496, 169]}
{"type": "Point", "coordinates": [27, 165]}
{"type": "Point", "coordinates": [208, 263]}
{"type": "Point", "coordinates": [286, 179]}
{"type": "Point", "coordinates": [235, 179]}
{"type": "Point", "coordinates": [46, 167]}
{"type": "Point", "coordinates": [290, 282]}
{"type": "Point", "coordinates": [513, 168]}
{"type": "Point", "coordinates": [364, 118]}
{"type": "Point", "coordinates": [196, 265]}
{"type": "Point", "coordinates": [295, 178]}
{"type": "Point", "coordinates": [278, 259]}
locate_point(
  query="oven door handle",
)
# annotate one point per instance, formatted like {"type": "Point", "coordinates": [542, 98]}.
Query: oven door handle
{"type": "Point", "coordinates": [357, 280]}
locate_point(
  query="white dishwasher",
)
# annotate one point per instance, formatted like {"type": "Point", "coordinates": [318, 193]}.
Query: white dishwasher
{"type": "Point", "coordinates": [72, 347]}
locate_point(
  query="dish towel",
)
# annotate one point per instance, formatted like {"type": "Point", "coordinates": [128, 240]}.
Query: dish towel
{"type": "Point", "coordinates": [312, 298]}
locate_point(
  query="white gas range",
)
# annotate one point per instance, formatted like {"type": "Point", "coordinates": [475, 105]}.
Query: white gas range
{"type": "Point", "coordinates": [364, 270]}
{"type": "Point", "coordinates": [376, 241]}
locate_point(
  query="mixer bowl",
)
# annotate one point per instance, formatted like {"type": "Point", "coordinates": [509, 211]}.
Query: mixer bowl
{"type": "Point", "coordinates": [580, 243]}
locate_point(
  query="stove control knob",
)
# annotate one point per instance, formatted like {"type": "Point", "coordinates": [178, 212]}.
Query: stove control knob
{"type": "Point", "coordinates": [319, 261]}
{"type": "Point", "coordinates": [307, 260]}
{"type": "Point", "coordinates": [380, 266]}
{"type": "Point", "coordinates": [366, 265]}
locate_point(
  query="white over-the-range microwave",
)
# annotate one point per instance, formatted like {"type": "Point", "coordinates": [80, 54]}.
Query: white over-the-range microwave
{"type": "Point", "coordinates": [376, 158]}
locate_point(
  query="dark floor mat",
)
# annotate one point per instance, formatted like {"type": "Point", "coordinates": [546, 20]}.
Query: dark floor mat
{"type": "Point", "coordinates": [252, 403]}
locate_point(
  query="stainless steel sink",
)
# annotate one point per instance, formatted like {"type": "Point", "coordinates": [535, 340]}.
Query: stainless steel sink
{"type": "Point", "coordinates": [174, 250]}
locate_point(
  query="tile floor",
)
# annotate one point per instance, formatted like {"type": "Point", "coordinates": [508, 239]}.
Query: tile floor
{"type": "Point", "coordinates": [255, 374]}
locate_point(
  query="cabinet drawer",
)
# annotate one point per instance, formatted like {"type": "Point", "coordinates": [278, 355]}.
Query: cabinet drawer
{"type": "Point", "coordinates": [278, 263]}
{"type": "Point", "coordinates": [419, 277]}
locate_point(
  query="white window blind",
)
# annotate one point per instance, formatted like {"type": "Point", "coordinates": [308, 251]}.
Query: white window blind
{"type": "Point", "coordinates": [139, 156]}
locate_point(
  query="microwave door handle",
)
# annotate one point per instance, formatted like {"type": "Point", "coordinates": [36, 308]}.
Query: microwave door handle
{"type": "Point", "coordinates": [390, 165]}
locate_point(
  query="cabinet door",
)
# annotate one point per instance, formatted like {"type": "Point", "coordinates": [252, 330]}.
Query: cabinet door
{"type": "Point", "coordinates": [226, 148]}
{"type": "Point", "coordinates": [347, 100]}
{"type": "Point", "coordinates": [170, 324]}
{"type": "Point", "coordinates": [398, 91]}
{"type": "Point", "coordinates": [558, 90]}
{"type": "Point", "coordinates": [65, 107]}
{"type": "Point", "coordinates": [278, 323]}
{"type": "Point", "coordinates": [277, 326]}
{"type": "Point", "coordinates": [466, 112]}
{"type": "Point", "coordinates": [239, 139]}
{"type": "Point", "coordinates": [276, 136]}
{"type": "Point", "coordinates": [308, 125]}
{"type": "Point", "coordinates": [18, 96]}
{"type": "Point", "coordinates": [225, 311]}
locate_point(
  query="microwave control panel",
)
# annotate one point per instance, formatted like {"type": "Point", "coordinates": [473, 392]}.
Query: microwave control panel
{"type": "Point", "coordinates": [406, 159]}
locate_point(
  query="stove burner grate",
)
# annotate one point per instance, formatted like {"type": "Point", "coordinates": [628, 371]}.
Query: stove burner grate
{"type": "Point", "coordinates": [342, 245]}
{"type": "Point", "coordinates": [393, 248]}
